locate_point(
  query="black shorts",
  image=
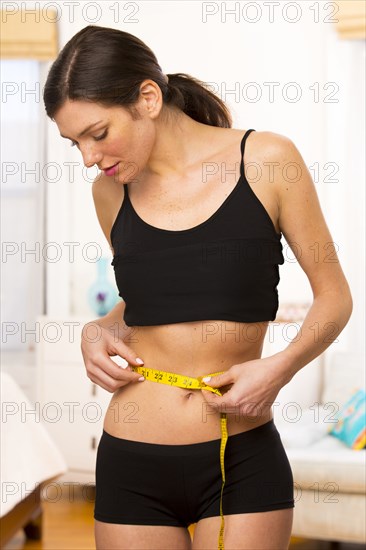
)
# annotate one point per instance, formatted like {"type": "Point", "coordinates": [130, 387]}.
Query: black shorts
{"type": "Point", "coordinates": [150, 484]}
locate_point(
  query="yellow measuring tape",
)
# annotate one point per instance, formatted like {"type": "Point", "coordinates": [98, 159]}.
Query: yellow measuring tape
{"type": "Point", "coordinates": [173, 379]}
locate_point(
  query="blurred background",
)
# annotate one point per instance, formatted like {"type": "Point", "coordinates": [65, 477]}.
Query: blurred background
{"type": "Point", "coordinates": [294, 68]}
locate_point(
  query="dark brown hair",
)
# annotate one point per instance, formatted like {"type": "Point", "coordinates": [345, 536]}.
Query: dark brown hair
{"type": "Point", "coordinates": [107, 66]}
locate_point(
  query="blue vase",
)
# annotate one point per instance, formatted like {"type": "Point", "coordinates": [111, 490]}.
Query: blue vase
{"type": "Point", "coordinates": [102, 294]}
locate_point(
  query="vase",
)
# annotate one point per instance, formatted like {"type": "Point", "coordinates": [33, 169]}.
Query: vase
{"type": "Point", "coordinates": [102, 294]}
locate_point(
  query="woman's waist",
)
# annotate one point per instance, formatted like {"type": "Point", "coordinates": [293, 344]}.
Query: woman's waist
{"type": "Point", "coordinates": [173, 383]}
{"type": "Point", "coordinates": [156, 412]}
{"type": "Point", "coordinates": [161, 389]}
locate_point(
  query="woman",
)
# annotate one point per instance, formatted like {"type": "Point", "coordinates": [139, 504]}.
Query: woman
{"type": "Point", "coordinates": [196, 249]}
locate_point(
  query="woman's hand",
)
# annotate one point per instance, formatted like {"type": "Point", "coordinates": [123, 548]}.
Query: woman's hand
{"type": "Point", "coordinates": [254, 387]}
{"type": "Point", "coordinates": [97, 345]}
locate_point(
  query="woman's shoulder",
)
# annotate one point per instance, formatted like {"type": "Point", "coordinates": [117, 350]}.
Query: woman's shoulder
{"type": "Point", "coordinates": [108, 196]}
{"type": "Point", "coordinates": [273, 151]}
{"type": "Point", "coordinates": [265, 141]}
{"type": "Point", "coordinates": [271, 141]}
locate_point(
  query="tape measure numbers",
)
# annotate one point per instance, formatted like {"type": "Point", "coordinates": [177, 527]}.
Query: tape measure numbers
{"type": "Point", "coordinates": [181, 381]}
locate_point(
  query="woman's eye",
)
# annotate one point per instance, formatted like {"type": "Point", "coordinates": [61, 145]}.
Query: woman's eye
{"type": "Point", "coordinates": [98, 138]}
{"type": "Point", "coordinates": [102, 136]}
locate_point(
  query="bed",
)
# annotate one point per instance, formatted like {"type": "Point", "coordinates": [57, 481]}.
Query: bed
{"type": "Point", "coordinates": [30, 460]}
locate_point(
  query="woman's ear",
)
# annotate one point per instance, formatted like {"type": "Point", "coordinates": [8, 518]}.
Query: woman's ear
{"type": "Point", "coordinates": [151, 98]}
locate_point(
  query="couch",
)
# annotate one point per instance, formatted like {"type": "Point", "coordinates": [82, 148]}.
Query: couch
{"type": "Point", "coordinates": [329, 477]}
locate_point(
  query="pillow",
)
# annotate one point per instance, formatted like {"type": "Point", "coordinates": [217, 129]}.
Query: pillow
{"type": "Point", "coordinates": [351, 422]}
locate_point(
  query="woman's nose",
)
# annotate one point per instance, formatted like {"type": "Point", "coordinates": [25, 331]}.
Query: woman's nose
{"type": "Point", "coordinates": [91, 157]}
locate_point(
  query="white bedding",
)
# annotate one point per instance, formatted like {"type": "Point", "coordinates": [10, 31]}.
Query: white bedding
{"type": "Point", "coordinates": [28, 454]}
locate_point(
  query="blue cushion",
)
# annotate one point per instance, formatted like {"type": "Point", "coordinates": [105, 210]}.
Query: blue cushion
{"type": "Point", "coordinates": [351, 422]}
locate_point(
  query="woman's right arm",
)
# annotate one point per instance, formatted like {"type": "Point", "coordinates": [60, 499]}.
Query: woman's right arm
{"type": "Point", "coordinates": [107, 336]}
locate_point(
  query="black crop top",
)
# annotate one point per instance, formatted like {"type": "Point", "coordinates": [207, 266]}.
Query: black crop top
{"type": "Point", "coordinates": [225, 268]}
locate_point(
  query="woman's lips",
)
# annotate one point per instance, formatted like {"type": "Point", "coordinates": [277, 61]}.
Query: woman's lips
{"type": "Point", "coordinates": [112, 170]}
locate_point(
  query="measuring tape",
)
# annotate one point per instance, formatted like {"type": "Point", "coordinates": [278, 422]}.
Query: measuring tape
{"type": "Point", "coordinates": [172, 379]}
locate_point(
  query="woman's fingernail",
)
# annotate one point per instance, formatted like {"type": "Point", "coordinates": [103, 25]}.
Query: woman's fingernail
{"type": "Point", "coordinates": [206, 379]}
{"type": "Point", "coordinates": [141, 379]}
{"type": "Point", "coordinates": [139, 361]}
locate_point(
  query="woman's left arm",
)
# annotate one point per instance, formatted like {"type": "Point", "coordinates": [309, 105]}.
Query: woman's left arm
{"type": "Point", "coordinates": [303, 225]}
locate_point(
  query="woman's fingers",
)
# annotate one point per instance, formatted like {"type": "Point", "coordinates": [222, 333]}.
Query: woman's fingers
{"type": "Point", "coordinates": [111, 380]}
{"type": "Point", "coordinates": [116, 372]}
{"type": "Point", "coordinates": [106, 373]}
{"type": "Point", "coordinates": [101, 369]}
{"type": "Point", "coordinates": [219, 380]}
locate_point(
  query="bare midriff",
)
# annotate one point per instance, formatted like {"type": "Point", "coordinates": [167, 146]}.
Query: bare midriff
{"type": "Point", "coordinates": [157, 413]}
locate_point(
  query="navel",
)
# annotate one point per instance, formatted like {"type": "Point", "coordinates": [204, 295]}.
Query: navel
{"type": "Point", "coordinates": [189, 395]}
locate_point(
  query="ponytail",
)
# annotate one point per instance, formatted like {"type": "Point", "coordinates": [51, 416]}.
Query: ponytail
{"type": "Point", "coordinates": [189, 94]}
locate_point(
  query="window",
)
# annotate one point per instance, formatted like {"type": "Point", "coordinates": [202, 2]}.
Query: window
{"type": "Point", "coordinates": [22, 201]}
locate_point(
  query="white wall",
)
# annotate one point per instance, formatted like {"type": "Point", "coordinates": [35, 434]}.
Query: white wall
{"type": "Point", "coordinates": [235, 52]}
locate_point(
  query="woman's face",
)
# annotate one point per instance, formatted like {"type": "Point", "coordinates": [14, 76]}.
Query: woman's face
{"type": "Point", "coordinates": [109, 136]}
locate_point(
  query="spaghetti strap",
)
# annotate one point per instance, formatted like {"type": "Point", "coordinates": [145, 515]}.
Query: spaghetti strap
{"type": "Point", "coordinates": [242, 146]}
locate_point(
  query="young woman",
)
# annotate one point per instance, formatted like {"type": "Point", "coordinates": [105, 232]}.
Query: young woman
{"type": "Point", "coordinates": [196, 251]}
